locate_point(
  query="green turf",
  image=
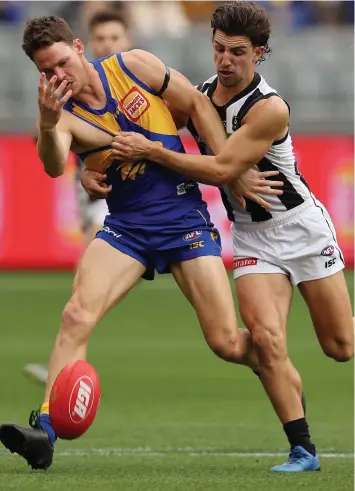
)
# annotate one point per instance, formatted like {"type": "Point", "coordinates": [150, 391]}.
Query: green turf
{"type": "Point", "coordinates": [162, 389]}
{"type": "Point", "coordinates": [171, 473]}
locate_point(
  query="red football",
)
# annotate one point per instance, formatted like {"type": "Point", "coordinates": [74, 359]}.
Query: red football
{"type": "Point", "coordinates": [74, 399]}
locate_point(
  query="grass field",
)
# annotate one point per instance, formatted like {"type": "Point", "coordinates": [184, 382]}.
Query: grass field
{"type": "Point", "coordinates": [173, 416]}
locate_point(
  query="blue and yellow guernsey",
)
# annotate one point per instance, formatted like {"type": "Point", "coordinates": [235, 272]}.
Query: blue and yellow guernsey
{"type": "Point", "coordinates": [142, 192]}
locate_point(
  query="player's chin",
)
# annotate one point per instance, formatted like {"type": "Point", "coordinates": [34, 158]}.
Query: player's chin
{"type": "Point", "coordinates": [229, 81]}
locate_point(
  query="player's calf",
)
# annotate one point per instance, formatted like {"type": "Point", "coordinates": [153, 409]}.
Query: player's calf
{"type": "Point", "coordinates": [77, 324]}
{"type": "Point", "coordinates": [330, 308]}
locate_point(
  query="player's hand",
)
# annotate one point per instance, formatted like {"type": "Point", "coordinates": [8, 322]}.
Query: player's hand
{"type": "Point", "coordinates": [253, 182]}
{"type": "Point", "coordinates": [94, 185]}
{"type": "Point", "coordinates": [130, 146]}
{"type": "Point", "coordinates": [51, 101]}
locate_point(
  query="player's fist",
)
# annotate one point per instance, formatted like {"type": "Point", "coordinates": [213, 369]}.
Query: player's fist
{"type": "Point", "coordinates": [94, 185]}
{"type": "Point", "coordinates": [131, 146]}
{"type": "Point", "coordinates": [51, 101]}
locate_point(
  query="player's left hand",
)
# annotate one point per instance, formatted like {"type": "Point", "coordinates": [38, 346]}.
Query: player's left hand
{"type": "Point", "coordinates": [253, 182]}
{"type": "Point", "coordinates": [130, 146]}
{"type": "Point", "coordinates": [94, 185]}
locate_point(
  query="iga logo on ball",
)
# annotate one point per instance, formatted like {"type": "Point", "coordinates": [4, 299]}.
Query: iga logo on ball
{"type": "Point", "coordinates": [74, 399]}
{"type": "Point", "coordinates": [81, 400]}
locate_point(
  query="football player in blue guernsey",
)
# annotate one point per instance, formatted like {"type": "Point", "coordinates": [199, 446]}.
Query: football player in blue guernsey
{"type": "Point", "coordinates": [157, 221]}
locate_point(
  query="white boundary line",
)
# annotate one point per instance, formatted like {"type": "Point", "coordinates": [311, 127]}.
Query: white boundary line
{"type": "Point", "coordinates": [188, 451]}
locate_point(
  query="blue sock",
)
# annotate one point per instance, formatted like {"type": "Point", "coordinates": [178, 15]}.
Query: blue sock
{"type": "Point", "coordinates": [45, 424]}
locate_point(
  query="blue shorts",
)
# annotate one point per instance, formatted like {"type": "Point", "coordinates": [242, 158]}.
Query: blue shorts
{"type": "Point", "coordinates": [157, 247]}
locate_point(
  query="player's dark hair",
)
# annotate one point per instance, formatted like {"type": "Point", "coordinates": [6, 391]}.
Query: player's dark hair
{"type": "Point", "coordinates": [106, 16]}
{"type": "Point", "coordinates": [244, 19]}
{"type": "Point", "coordinates": [42, 32]}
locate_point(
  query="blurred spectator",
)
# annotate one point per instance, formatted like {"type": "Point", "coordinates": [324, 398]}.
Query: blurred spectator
{"type": "Point", "coordinates": [151, 18]}
{"type": "Point", "coordinates": [79, 13]}
{"type": "Point", "coordinates": [12, 12]}
{"type": "Point", "coordinates": [292, 16]}
{"type": "Point", "coordinates": [199, 11]}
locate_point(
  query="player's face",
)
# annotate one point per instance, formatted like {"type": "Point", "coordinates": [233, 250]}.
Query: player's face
{"type": "Point", "coordinates": [109, 37]}
{"type": "Point", "coordinates": [64, 61]}
{"type": "Point", "coordinates": [234, 57]}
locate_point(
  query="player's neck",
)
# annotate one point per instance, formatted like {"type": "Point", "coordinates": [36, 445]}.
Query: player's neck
{"type": "Point", "coordinates": [92, 93]}
{"type": "Point", "coordinates": [223, 95]}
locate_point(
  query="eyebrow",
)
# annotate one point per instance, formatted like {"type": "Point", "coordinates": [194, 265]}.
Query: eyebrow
{"type": "Point", "coordinates": [236, 46]}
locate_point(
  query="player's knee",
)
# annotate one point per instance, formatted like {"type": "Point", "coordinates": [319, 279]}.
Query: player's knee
{"type": "Point", "coordinates": [225, 349]}
{"type": "Point", "coordinates": [77, 322]}
{"type": "Point", "coordinates": [339, 349]}
{"type": "Point", "coordinates": [269, 341]}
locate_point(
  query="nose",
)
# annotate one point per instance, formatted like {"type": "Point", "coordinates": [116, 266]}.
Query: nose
{"type": "Point", "coordinates": [60, 73]}
{"type": "Point", "coordinates": [226, 59]}
{"type": "Point", "coordinates": [108, 47]}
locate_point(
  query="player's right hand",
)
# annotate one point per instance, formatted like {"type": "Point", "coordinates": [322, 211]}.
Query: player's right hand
{"type": "Point", "coordinates": [252, 183]}
{"type": "Point", "coordinates": [94, 185]}
{"type": "Point", "coordinates": [51, 101]}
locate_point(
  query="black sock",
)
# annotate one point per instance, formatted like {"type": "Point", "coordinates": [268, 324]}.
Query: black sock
{"type": "Point", "coordinates": [297, 432]}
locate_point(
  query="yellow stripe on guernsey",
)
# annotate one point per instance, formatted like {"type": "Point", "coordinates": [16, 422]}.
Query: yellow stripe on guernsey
{"type": "Point", "coordinates": [131, 106]}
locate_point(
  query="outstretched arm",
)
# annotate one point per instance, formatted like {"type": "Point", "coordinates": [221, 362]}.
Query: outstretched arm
{"type": "Point", "coordinates": [265, 122]}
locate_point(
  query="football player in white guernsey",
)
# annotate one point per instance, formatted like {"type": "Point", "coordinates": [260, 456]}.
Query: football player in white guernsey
{"type": "Point", "coordinates": [291, 244]}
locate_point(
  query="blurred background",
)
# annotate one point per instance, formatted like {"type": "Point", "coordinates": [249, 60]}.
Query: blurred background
{"type": "Point", "coordinates": [163, 389]}
{"type": "Point", "coordinates": [311, 66]}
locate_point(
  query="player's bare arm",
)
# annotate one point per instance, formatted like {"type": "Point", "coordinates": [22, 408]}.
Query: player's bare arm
{"type": "Point", "coordinates": [266, 122]}
{"type": "Point", "coordinates": [180, 94]}
{"type": "Point", "coordinates": [54, 137]}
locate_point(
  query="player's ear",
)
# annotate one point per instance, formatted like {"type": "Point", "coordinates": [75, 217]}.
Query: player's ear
{"type": "Point", "coordinates": [258, 52]}
{"type": "Point", "coordinates": [78, 46]}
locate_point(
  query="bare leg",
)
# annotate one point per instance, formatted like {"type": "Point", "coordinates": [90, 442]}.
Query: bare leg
{"type": "Point", "coordinates": [330, 308]}
{"type": "Point", "coordinates": [264, 301]}
{"type": "Point", "coordinates": [205, 284]}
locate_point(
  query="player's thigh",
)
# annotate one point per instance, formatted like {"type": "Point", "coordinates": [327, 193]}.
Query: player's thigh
{"type": "Point", "coordinates": [264, 303]}
{"type": "Point", "coordinates": [329, 304]}
{"type": "Point", "coordinates": [204, 282]}
{"type": "Point", "coordinates": [104, 276]}
{"type": "Point", "coordinates": [91, 232]}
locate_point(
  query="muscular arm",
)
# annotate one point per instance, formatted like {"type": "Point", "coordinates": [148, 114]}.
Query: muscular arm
{"type": "Point", "coordinates": [265, 122]}
{"type": "Point", "coordinates": [53, 148]}
{"type": "Point", "coordinates": [180, 94]}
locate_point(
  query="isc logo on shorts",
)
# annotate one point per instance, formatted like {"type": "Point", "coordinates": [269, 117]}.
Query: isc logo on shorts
{"type": "Point", "coordinates": [134, 104]}
{"type": "Point", "coordinates": [244, 261]}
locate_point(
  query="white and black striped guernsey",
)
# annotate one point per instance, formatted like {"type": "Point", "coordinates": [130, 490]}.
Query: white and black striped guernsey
{"type": "Point", "coordinates": [279, 157]}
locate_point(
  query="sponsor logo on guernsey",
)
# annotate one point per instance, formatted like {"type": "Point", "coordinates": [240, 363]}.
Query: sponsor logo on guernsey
{"type": "Point", "coordinates": [134, 104]}
{"type": "Point", "coordinates": [192, 235]}
{"type": "Point", "coordinates": [328, 251]}
{"type": "Point", "coordinates": [244, 261]}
